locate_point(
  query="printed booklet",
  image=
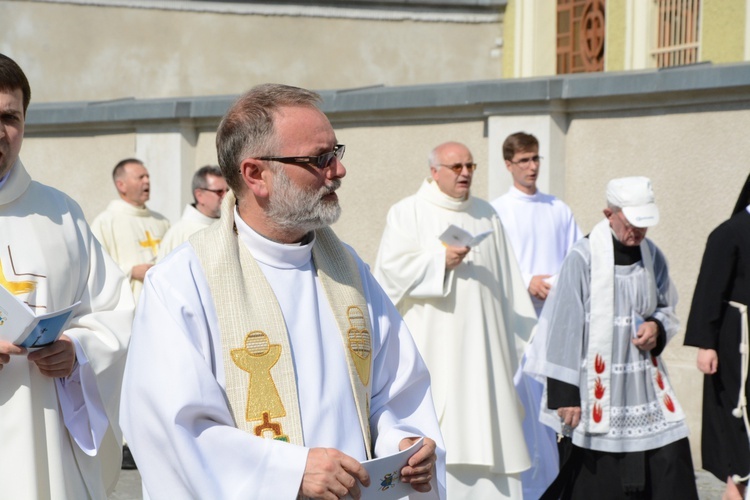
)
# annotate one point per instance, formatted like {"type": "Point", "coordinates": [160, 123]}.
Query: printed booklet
{"type": "Point", "coordinates": [19, 324]}
{"type": "Point", "coordinates": [385, 475]}
{"type": "Point", "coordinates": [457, 237]}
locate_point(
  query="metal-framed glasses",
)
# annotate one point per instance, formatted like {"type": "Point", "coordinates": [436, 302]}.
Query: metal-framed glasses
{"type": "Point", "coordinates": [459, 167]}
{"type": "Point", "coordinates": [217, 192]}
{"type": "Point", "coordinates": [526, 162]}
{"type": "Point", "coordinates": [320, 161]}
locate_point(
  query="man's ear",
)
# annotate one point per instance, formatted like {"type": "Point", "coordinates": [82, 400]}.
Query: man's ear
{"type": "Point", "coordinates": [120, 186]}
{"type": "Point", "coordinates": [508, 164]}
{"type": "Point", "coordinates": [607, 212]}
{"type": "Point", "coordinates": [433, 172]}
{"type": "Point", "coordinates": [251, 171]}
{"type": "Point", "coordinates": [198, 196]}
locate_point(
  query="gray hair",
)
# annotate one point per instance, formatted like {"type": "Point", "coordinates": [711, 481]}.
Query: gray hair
{"type": "Point", "coordinates": [199, 177]}
{"type": "Point", "coordinates": [247, 129]}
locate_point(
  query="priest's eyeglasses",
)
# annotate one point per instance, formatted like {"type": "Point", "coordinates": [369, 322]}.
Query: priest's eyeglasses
{"type": "Point", "coordinates": [320, 161]}
{"type": "Point", "coordinates": [526, 162]}
{"type": "Point", "coordinates": [459, 167]}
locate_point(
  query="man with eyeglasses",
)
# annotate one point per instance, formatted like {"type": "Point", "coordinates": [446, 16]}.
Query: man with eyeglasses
{"type": "Point", "coordinates": [128, 230]}
{"type": "Point", "coordinates": [598, 353]}
{"type": "Point", "coordinates": [209, 188]}
{"type": "Point", "coordinates": [266, 362]}
{"type": "Point", "coordinates": [470, 316]}
{"type": "Point", "coordinates": [541, 230]}
{"type": "Point", "coordinates": [540, 226]}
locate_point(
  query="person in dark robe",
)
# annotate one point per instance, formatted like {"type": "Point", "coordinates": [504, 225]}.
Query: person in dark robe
{"type": "Point", "coordinates": [714, 326]}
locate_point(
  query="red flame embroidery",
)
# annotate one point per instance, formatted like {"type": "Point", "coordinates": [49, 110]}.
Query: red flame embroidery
{"type": "Point", "coordinates": [654, 361]}
{"type": "Point", "coordinates": [598, 388]}
{"type": "Point", "coordinates": [599, 364]}
{"type": "Point", "coordinates": [668, 403]}
{"type": "Point", "coordinates": [659, 380]}
{"type": "Point", "coordinates": [596, 413]}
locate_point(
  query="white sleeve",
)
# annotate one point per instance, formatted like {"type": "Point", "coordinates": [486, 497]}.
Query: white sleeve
{"type": "Point", "coordinates": [174, 410]}
{"type": "Point", "coordinates": [406, 267]}
{"type": "Point", "coordinates": [83, 411]}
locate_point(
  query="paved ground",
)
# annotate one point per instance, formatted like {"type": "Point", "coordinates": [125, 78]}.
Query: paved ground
{"type": "Point", "coordinates": [129, 486]}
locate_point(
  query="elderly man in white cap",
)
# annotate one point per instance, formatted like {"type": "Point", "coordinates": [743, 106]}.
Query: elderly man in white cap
{"type": "Point", "coordinates": [597, 350]}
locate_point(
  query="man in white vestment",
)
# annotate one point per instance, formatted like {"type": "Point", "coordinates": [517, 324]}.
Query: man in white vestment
{"type": "Point", "coordinates": [598, 352]}
{"type": "Point", "coordinates": [470, 316]}
{"type": "Point", "coordinates": [209, 188]}
{"type": "Point", "coordinates": [282, 365]}
{"type": "Point", "coordinates": [128, 230]}
{"type": "Point", "coordinates": [541, 230]}
{"type": "Point", "coordinates": [540, 227]}
{"type": "Point", "coordinates": [60, 402]}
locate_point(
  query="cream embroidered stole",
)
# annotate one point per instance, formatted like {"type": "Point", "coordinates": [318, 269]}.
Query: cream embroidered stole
{"type": "Point", "coordinates": [599, 354]}
{"type": "Point", "coordinates": [260, 375]}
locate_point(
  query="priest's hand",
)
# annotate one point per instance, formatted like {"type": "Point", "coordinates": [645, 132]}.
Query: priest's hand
{"type": "Point", "coordinates": [330, 474]}
{"type": "Point", "coordinates": [57, 360]}
{"type": "Point", "coordinates": [647, 334]}
{"type": "Point", "coordinates": [6, 350]}
{"type": "Point", "coordinates": [454, 256]}
{"type": "Point", "coordinates": [418, 470]}
{"type": "Point", "coordinates": [570, 416]}
{"type": "Point", "coordinates": [138, 272]}
{"type": "Point", "coordinates": [708, 361]}
{"type": "Point", "coordinates": [538, 287]}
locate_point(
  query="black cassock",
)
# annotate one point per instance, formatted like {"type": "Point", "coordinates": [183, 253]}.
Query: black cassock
{"type": "Point", "coordinates": [715, 324]}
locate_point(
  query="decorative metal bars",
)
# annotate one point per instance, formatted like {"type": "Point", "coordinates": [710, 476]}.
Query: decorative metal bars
{"type": "Point", "coordinates": [677, 32]}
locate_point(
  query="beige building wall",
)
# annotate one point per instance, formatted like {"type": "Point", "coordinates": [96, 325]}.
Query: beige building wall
{"type": "Point", "coordinates": [97, 52]}
{"type": "Point", "coordinates": [530, 41]}
{"type": "Point", "coordinates": [723, 26]}
{"type": "Point", "coordinates": [79, 165]}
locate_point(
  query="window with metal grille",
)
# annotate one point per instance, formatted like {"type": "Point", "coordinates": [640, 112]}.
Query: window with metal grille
{"type": "Point", "coordinates": [580, 36]}
{"type": "Point", "coordinates": [677, 32]}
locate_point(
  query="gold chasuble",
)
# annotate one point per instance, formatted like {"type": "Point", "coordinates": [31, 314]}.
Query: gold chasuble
{"type": "Point", "coordinates": [260, 376]}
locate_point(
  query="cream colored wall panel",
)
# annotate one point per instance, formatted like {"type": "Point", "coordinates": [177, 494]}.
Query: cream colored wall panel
{"type": "Point", "coordinates": [100, 53]}
{"type": "Point", "coordinates": [80, 166]}
{"type": "Point", "coordinates": [205, 149]}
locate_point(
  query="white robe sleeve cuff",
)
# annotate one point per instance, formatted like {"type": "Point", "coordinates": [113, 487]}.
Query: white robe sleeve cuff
{"type": "Point", "coordinates": [82, 407]}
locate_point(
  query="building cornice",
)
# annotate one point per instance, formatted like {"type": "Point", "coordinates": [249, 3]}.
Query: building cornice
{"type": "Point", "coordinates": [633, 92]}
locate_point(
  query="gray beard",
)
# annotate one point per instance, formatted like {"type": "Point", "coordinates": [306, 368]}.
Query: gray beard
{"type": "Point", "coordinates": [296, 209]}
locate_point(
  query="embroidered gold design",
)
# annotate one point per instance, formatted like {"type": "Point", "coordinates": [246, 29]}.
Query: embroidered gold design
{"type": "Point", "coordinates": [257, 358]}
{"type": "Point", "coordinates": [151, 242]}
{"type": "Point", "coordinates": [16, 287]}
{"type": "Point", "coordinates": [359, 342]}
{"type": "Point", "coordinates": [270, 429]}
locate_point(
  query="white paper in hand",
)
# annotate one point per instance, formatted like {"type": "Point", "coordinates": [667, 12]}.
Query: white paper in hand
{"type": "Point", "coordinates": [385, 475]}
{"type": "Point", "coordinates": [19, 324]}
{"type": "Point", "coordinates": [456, 237]}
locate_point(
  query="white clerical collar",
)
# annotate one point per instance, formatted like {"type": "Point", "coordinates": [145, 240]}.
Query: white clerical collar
{"type": "Point", "coordinates": [431, 192]}
{"type": "Point", "coordinates": [747, 208]}
{"type": "Point", "coordinates": [272, 253]}
{"type": "Point", "coordinates": [120, 205]}
{"type": "Point", "coordinates": [517, 193]}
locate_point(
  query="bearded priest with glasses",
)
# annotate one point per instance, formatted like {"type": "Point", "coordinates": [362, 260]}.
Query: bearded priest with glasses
{"type": "Point", "coordinates": [468, 309]}
{"type": "Point", "coordinates": [266, 361]}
